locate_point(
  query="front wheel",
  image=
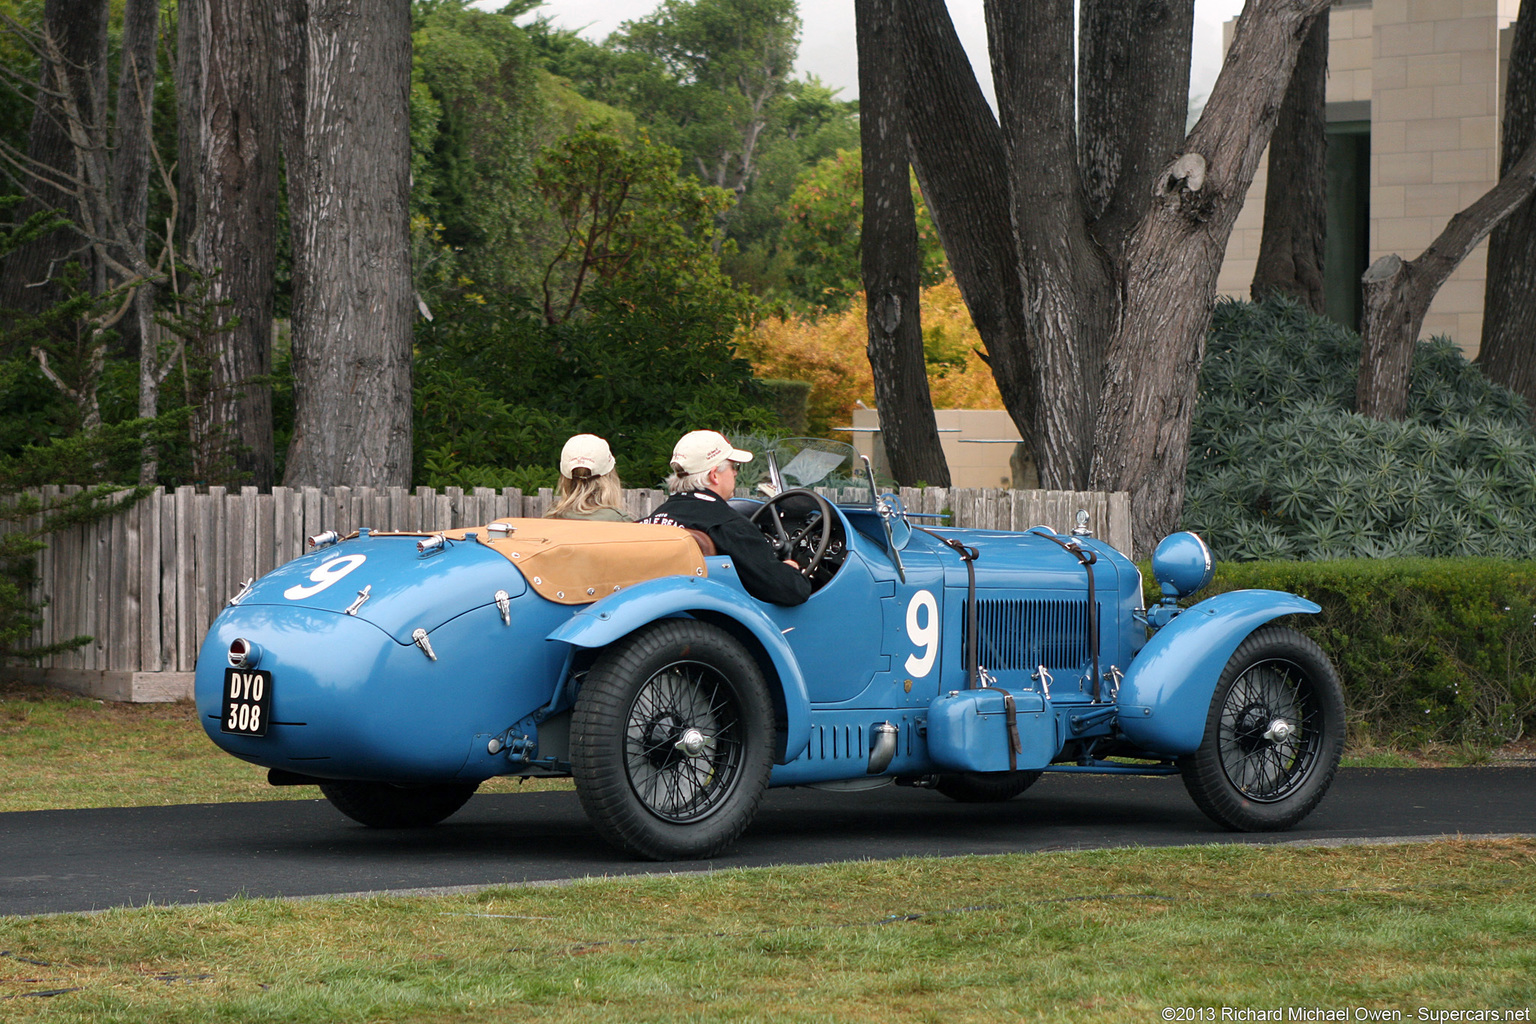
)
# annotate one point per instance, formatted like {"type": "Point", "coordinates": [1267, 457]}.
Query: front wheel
{"type": "Point", "coordinates": [672, 741]}
{"type": "Point", "coordinates": [382, 805]}
{"type": "Point", "coordinates": [1273, 736]}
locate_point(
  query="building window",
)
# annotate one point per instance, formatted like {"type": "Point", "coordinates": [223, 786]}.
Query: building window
{"type": "Point", "coordinates": [1346, 252]}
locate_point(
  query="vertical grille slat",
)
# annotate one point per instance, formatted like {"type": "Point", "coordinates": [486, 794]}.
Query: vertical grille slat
{"type": "Point", "coordinates": [1017, 635]}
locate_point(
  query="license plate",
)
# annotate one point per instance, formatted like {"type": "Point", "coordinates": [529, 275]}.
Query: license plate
{"type": "Point", "coordinates": [247, 701]}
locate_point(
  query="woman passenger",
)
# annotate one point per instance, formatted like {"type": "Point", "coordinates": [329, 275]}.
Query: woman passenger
{"type": "Point", "coordinates": [589, 487]}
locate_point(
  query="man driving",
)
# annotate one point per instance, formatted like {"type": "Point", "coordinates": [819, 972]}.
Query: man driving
{"type": "Point", "coordinates": [703, 479]}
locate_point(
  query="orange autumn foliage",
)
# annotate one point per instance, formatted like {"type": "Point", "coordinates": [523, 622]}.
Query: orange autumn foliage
{"type": "Point", "coordinates": [829, 353]}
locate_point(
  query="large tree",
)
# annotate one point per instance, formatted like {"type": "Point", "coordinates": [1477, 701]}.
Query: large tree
{"type": "Point", "coordinates": [99, 174]}
{"type": "Point", "coordinates": [714, 69]}
{"type": "Point", "coordinates": [1508, 352]}
{"type": "Point", "coordinates": [71, 93]}
{"type": "Point", "coordinates": [235, 132]}
{"type": "Point", "coordinates": [892, 264]}
{"type": "Point", "coordinates": [1093, 290]}
{"type": "Point", "coordinates": [354, 307]}
{"type": "Point", "coordinates": [1296, 209]}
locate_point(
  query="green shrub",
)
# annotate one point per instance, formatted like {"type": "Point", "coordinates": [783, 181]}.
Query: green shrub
{"type": "Point", "coordinates": [1281, 467]}
{"type": "Point", "coordinates": [498, 390]}
{"type": "Point", "coordinates": [1429, 650]}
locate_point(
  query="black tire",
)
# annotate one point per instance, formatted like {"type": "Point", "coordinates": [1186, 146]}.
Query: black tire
{"type": "Point", "coordinates": [1246, 777]}
{"type": "Point", "coordinates": [382, 805]}
{"type": "Point", "coordinates": [985, 787]}
{"type": "Point", "coordinates": [672, 741]}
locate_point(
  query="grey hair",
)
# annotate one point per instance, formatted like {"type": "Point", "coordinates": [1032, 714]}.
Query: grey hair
{"type": "Point", "coordinates": [680, 483]}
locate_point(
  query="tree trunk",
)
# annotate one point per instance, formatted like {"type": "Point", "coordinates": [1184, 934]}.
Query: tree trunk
{"type": "Point", "coordinates": [130, 167]}
{"type": "Point", "coordinates": [1141, 443]}
{"type": "Point", "coordinates": [236, 242]}
{"type": "Point", "coordinates": [1070, 301]}
{"type": "Point", "coordinates": [1296, 210]}
{"type": "Point", "coordinates": [293, 62]}
{"type": "Point", "coordinates": [1508, 352]}
{"type": "Point", "coordinates": [352, 341]}
{"type": "Point", "coordinates": [79, 27]}
{"type": "Point", "coordinates": [1397, 294]}
{"type": "Point", "coordinates": [889, 251]}
{"type": "Point", "coordinates": [189, 117]}
{"type": "Point", "coordinates": [958, 154]}
{"type": "Point", "coordinates": [1133, 92]}
{"type": "Point", "coordinates": [130, 199]}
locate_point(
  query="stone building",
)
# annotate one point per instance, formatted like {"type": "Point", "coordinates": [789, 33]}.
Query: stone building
{"type": "Point", "coordinates": [1415, 106]}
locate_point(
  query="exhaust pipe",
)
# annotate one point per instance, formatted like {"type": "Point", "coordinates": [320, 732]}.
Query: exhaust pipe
{"type": "Point", "coordinates": [882, 747]}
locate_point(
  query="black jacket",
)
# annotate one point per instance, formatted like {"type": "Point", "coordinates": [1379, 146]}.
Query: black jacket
{"type": "Point", "coordinates": [763, 575]}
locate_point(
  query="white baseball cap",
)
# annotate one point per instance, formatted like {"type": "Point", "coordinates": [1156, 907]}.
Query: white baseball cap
{"type": "Point", "coordinates": [586, 451]}
{"type": "Point", "coordinates": [700, 451]}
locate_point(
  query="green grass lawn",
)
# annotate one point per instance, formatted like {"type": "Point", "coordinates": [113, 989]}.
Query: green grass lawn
{"type": "Point", "coordinates": [1110, 936]}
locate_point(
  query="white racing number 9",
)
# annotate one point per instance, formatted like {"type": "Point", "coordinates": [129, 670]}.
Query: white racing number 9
{"type": "Point", "coordinates": [923, 634]}
{"type": "Point", "coordinates": [323, 576]}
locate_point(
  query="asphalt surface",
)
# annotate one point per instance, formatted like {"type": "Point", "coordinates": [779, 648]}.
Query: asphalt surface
{"type": "Point", "coordinates": [62, 861]}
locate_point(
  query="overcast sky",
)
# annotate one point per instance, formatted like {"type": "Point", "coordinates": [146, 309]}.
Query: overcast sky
{"type": "Point", "coordinates": [826, 39]}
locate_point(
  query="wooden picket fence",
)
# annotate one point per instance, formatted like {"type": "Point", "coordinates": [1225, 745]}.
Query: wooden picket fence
{"type": "Point", "coordinates": [146, 583]}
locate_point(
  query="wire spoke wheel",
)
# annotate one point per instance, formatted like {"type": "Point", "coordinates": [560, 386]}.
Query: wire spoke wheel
{"type": "Point", "coordinates": [672, 740]}
{"type": "Point", "coordinates": [1270, 733]}
{"type": "Point", "coordinates": [683, 745]}
{"type": "Point", "coordinates": [1273, 737]}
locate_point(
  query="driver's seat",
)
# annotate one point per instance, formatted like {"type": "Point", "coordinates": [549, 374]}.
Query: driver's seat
{"type": "Point", "coordinates": [705, 542]}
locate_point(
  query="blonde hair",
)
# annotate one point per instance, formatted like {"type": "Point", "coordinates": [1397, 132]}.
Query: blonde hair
{"type": "Point", "coordinates": [582, 494]}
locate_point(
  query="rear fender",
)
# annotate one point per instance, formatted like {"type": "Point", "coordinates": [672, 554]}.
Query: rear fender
{"type": "Point", "coordinates": [619, 615]}
{"type": "Point", "coordinates": [1166, 695]}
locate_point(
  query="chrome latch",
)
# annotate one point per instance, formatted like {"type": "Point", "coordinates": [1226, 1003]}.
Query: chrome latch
{"type": "Point", "coordinates": [1113, 677]}
{"type": "Point", "coordinates": [324, 540]}
{"type": "Point", "coordinates": [244, 589]}
{"type": "Point", "coordinates": [419, 638]}
{"type": "Point", "coordinates": [504, 605]}
{"type": "Point", "coordinates": [1043, 677]}
{"type": "Point", "coordinates": [362, 596]}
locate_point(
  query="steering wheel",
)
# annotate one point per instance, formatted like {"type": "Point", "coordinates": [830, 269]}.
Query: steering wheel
{"type": "Point", "coordinates": [783, 543]}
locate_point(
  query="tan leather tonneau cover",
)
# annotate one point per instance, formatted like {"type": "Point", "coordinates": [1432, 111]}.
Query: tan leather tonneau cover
{"type": "Point", "coordinates": [574, 561]}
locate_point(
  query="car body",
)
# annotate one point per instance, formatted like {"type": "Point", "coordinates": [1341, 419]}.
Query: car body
{"type": "Point", "coordinates": [400, 671]}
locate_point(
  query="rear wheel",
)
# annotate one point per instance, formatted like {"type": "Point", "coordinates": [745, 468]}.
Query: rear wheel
{"type": "Point", "coordinates": [672, 741]}
{"type": "Point", "coordinates": [1273, 736]}
{"type": "Point", "coordinates": [382, 805]}
{"type": "Point", "coordinates": [985, 787]}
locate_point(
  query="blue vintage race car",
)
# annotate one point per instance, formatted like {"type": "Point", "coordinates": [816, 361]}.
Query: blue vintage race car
{"type": "Point", "coordinates": [398, 672]}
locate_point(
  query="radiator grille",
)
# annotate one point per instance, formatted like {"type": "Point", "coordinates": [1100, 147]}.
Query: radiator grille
{"type": "Point", "coordinates": [1015, 634]}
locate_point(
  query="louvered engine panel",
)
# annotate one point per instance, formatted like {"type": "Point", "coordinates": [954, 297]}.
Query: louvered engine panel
{"type": "Point", "coordinates": [1019, 635]}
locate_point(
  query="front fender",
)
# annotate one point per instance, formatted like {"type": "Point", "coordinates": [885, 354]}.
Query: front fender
{"type": "Point", "coordinates": [1166, 695]}
{"type": "Point", "coordinates": [618, 615]}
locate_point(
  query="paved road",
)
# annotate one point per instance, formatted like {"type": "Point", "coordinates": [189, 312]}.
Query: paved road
{"type": "Point", "coordinates": [52, 861]}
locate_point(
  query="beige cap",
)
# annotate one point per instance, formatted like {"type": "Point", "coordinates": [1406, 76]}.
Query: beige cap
{"type": "Point", "coordinates": [702, 450]}
{"type": "Point", "coordinates": [586, 451]}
